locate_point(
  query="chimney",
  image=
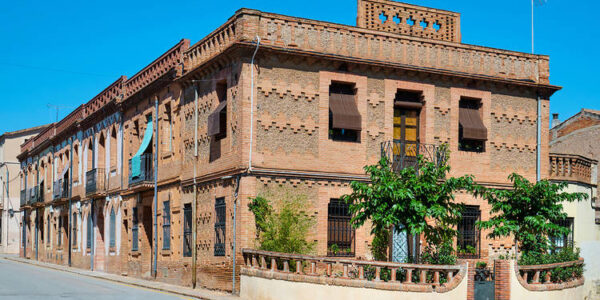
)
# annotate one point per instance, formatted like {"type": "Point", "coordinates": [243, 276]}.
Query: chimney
{"type": "Point", "coordinates": [555, 120]}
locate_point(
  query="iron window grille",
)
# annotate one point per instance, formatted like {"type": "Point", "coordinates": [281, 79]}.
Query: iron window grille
{"type": "Point", "coordinates": [340, 234]}
{"type": "Point", "coordinates": [134, 230]}
{"type": "Point", "coordinates": [166, 225]}
{"type": "Point", "coordinates": [48, 231]}
{"type": "Point", "coordinates": [89, 231]}
{"type": "Point", "coordinates": [469, 237]}
{"type": "Point", "coordinates": [112, 228]}
{"type": "Point", "coordinates": [59, 232]}
{"type": "Point", "coordinates": [564, 241]}
{"type": "Point", "coordinates": [74, 230]}
{"type": "Point", "coordinates": [187, 230]}
{"type": "Point", "coordinates": [220, 227]}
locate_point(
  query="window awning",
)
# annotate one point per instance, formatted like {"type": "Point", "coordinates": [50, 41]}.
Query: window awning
{"type": "Point", "coordinates": [65, 170]}
{"type": "Point", "coordinates": [214, 120]}
{"type": "Point", "coordinates": [136, 159]}
{"type": "Point", "coordinates": [408, 104]}
{"type": "Point", "coordinates": [472, 125]}
{"type": "Point", "coordinates": [344, 112]}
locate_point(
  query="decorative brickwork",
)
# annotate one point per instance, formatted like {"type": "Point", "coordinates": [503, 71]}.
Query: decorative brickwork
{"type": "Point", "coordinates": [572, 168]}
{"type": "Point", "coordinates": [402, 18]}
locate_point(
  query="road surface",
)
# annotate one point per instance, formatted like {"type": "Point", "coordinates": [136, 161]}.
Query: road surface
{"type": "Point", "coordinates": [25, 281]}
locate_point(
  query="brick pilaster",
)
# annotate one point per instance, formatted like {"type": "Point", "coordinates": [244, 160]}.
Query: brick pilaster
{"type": "Point", "coordinates": [502, 279]}
{"type": "Point", "coordinates": [471, 281]}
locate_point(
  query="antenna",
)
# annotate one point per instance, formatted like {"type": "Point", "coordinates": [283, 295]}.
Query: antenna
{"type": "Point", "coordinates": [57, 107]}
{"type": "Point", "coordinates": [538, 2]}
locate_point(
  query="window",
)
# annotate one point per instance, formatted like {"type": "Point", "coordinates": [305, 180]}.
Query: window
{"type": "Point", "coordinates": [1, 227]}
{"type": "Point", "coordinates": [112, 228]}
{"type": "Point", "coordinates": [340, 234]}
{"type": "Point", "coordinates": [472, 134]}
{"type": "Point", "coordinates": [564, 241]}
{"type": "Point", "coordinates": [24, 233]}
{"type": "Point", "coordinates": [59, 232]}
{"type": "Point", "coordinates": [468, 234]}
{"type": "Point", "coordinates": [89, 231]}
{"type": "Point", "coordinates": [187, 230]}
{"type": "Point", "coordinates": [48, 231]}
{"type": "Point", "coordinates": [166, 225]}
{"type": "Point", "coordinates": [134, 229]}
{"type": "Point", "coordinates": [220, 227]}
{"type": "Point", "coordinates": [100, 160]}
{"type": "Point", "coordinates": [167, 130]}
{"type": "Point", "coordinates": [344, 118]}
{"type": "Point", "coordinates": [113, 148]}
{"type": "Point", "coordinates": [74, 230]}
{"type": "Point", "coordinates": [217, 120]}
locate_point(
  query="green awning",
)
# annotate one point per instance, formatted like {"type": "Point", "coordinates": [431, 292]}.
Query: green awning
{"type": "Point", "coordinates": [137, 158]}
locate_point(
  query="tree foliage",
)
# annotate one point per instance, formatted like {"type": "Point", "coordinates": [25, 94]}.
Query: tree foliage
{"type": "Point", "coordinates": [528, 211]}
{"type": "Point", "coordinates": [421, 199]}
{"type": "Point", "coordinates": [283, 228]}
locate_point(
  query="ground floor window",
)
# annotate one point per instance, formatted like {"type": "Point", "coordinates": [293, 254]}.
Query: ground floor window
{"type": "Point", "coordinates": [112, 228]}
{"type": "Point", "coordinates": [134, 229]}
{"type": "Point", "coordinates": [564, 241]}
{"type": "Point", "coordinates": [74, 230]}
{"type": "Point", "coordinates": [220, 227]}
{"type": "Point", "coordinates": [59, 232]}
{"type": "Point", "coordinates": [187, 230]}
{"type": "Point", "coordinates": [1, 212]}
{"type": "Point", "coordinates": [340, 234]}
{"type": "Point", "coordinates": [89, 231]}
{"type": "Point", "coordinates": [468, 235]}
{"type": "Point", "coordinates": [167, 225]}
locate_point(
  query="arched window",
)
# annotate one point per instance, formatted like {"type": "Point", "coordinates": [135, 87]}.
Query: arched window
{"type": "Point", "coordinates": [90, 155]}
{"type": "Point", "coordinates": [112, 228]}
{"type": "Point", "coordinates": [101, 152]}
{"type": "Point", "coordinates": [113, 148]}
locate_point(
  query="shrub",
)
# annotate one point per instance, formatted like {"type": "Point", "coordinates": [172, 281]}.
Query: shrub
{"type": "Point", "coordinates": [560, 274]}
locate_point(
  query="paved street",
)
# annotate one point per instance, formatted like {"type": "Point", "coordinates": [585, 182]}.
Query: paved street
{"type": "Point", "coordinates": [24, 281]}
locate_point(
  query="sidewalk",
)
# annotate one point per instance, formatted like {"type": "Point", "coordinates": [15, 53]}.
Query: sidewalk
{"type": "Point", "coordinates": [155, 285]}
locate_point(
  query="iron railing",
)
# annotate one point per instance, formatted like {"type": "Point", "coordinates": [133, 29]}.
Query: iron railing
{"type": "Point", "coordinates": [220, 227]}
{"type": "Point", "coordinates": [60, 190]}
{"type": "Point", "coordinates": [34, 194]}
{"type": "Point", "coordinates": [146, 170]}
{"type": "Point", "coordinates": [95, 181]}
{"type": "Point", "coordinates": [401, 154]}
{"type": "Point", "coordinates": [23, 198]}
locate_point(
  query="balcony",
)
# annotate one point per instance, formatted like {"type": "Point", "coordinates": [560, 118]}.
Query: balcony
{"type": "Point", "coordinates": [402, 154]}
{"type": "Point", "coordinates": [571, 168]}
{"type": "Point", "coordinates": [34, 194]}
{"type": "Point", "coordinates": [95, 182]}
{"type": "Point", "coordinates": [146, 171]}
{"type": "Point", "coordinates": [60, 191]}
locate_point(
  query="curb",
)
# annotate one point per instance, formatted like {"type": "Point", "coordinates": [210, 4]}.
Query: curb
{"type": "Point", "coordinates": [178, 290]}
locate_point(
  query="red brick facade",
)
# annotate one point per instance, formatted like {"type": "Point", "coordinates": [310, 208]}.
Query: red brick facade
{"type": "Point", "coordinates": [291, 150]}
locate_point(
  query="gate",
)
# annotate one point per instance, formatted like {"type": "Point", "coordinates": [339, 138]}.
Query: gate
{"type": "Point", "coordinates": [405, 247]}
{"type": "Point", "coordinates": [484, 284]}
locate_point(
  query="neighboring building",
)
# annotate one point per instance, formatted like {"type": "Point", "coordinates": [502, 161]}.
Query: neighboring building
{"type": "Point", "coordinates": [205, 127]}
{"type": "Point", "coordinates": [10, 208]}
{"type": "Point", "coordinates": [574, 155]}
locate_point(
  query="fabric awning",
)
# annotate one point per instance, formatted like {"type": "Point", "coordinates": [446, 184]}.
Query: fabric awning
{"type": "Point", "coordinates": [137, 158]}
{"type": "Point", "coordinates": [214, 120]}
{"type": "Point", "coordinates": [344, 112]}
{"type": "Point", "coordinates": [472, 125]}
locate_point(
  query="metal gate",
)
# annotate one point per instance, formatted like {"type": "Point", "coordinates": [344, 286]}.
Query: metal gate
{"type": "Point", "coordinates": [484, 284]}
{"type": "Point", "coordinates": [405, 247]}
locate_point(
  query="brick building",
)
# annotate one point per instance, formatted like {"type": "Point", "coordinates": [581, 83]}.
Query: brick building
{"type": "Point", "coordinates": [161, 165]}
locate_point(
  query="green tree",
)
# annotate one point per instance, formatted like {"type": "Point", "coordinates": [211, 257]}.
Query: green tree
{"type": "Point", "coordinates": [421, 199]}
{"type": "Point", "coordinates": [282, 228]}
{"type": "Point", "coordinates": [529, 211]}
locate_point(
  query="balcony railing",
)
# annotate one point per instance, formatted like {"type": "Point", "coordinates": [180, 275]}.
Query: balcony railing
{"type": "Point", "coordinates": [405, 154]}
{"type": "Point", "coordinates": [34, 194]}
{"type": "Point", "coordinates": [95, 181]}
{"type": "Point", "coordinates": [146, 174]}
{"type": "Point", "coordinates": [569, 167]}
{"type": "Point", "coordinates": [60, 189]}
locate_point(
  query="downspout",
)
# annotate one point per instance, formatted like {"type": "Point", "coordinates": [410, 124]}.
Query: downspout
{"type": "Point", "coordinates": [235, 198]}
{"type": "Point", "coordinates": [25, 215]}
{"type": "Point", "coordinates": [194, 201]}
{"type": "Point", "coordinates": [37, 182]}
{"type": "Point", "coordinates": [70, 187]}
{"type": "Point", "coordinates": [539, 139]}
{"type": "Point", "coordinates": [92, 252]}
{"type": "Point", "coordinates": [155, 186]}
{"type": "Point", "coordinates": [252, 102]}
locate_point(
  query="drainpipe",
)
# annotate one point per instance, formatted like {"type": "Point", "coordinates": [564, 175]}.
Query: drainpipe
{"type": "Point", "coordinates": [194, 201]}
{"type": "Point", "coordinates": [155, 186]}
{"type": "Point", "coordinates": [235, 198]}
{"type": "Point", "coordinates": [70, 186]}
{"type": "Point", "coordinates": [25, 214]}
{"type": "Point", "coordinates": [92, 252]}
{"type": "Point", "coordinates": [252, 102]}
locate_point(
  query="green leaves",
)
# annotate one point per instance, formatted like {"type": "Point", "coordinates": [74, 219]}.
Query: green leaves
{"type": "Point", "coordinates": [420, 199]}
{"type": "Point", "coordinates": [528, 211]}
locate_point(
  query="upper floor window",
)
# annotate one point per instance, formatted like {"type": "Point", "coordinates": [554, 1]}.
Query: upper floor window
{"type": "Point", "coordinates": [472, 134]}
{"type": "Point", "coordinates": [344, 117]}
{"type": "Point", "coordinates": [217, 120]}
{"type": "Point", "coordinates": [167, 127]}
{"type": "Point", "coordinates": [113, 148]}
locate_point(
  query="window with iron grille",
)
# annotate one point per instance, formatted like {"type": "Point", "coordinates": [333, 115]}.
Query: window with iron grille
{"type": "Point", "coordinates": [340, 234]}
{"type": "Point", "coordinates": [220, 227]}
{"type": "Point", "coordinates": [59, 232]}
{"type": "Point", "coordinates": [134, 229]}
{"type": "Point", "coordinates": [187, 230]}
{"type": "Point", "coordinates": [89, 231]}
{"type": "Point", "coordinates": [48, 231]}
{"type": "Point", "coordinates": [564, 241]}
{"type": "Point", "coordinates": [74, 230]}
{"type": "Point", "coordinates": [468, 235]}
{"type": "Point", "coordinates": [112, 228]}
{"type": "Point", "coordinates": [24, 233]}
{"type": "Point", "coordinates": [166, 225]}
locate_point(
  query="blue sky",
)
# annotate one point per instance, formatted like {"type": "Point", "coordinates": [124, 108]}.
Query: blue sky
{"type": "Point", "coordinates": [65, 52]}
